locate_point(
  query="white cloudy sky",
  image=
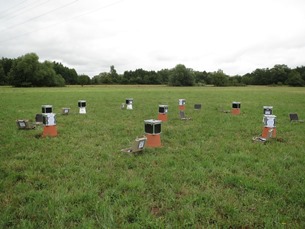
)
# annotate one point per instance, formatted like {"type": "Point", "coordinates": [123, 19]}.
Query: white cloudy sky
{"type": "Point", "coordinates": [236, 36]}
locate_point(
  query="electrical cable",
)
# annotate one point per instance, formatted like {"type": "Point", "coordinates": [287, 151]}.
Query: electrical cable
{"type": "Point", "coordinates": [61, 22]}
{"type": "Point", "coordinates": [41, 15]}
{"type": "Point", "coordinates": [18, 13]}
{"type": "Point", "coordinates": [14, 6]}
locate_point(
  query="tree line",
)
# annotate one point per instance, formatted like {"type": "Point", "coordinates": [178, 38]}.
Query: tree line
{"type": "Point", "coordinates": [27, 71]}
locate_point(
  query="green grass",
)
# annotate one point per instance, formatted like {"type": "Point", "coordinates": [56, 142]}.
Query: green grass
{"type": "Point", "coordinates": [208, 173]}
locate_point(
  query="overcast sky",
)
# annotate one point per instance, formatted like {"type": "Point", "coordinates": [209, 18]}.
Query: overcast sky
{"type": "Point", "coordinates": [236, 36]}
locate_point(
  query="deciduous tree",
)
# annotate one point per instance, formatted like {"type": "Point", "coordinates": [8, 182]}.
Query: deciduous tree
{"type": "Point", "coordinates": [220, 79]}
{"type": "Point", "coordinates": [295, 79]}
{"type": "Point", "coordinates": [23, 70]}
{"type": "Point", "coordinates": [83, 80]}
{"type": "Point", "coordinates": [181, 76]}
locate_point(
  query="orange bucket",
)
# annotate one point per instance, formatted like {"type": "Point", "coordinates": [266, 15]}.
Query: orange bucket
{"type": "Point", "coordinates": [50, 131]}
{"type": "Point", "coordinates": [153, 140]}
{"type": "Point", "coordinates": [269, 132]}
{"type": "Point", "coordinates": [162, 117]}
{"type": "Point", "coordinates": [181, 107]}
{"type": "Point", "coordinates": [235, 111]}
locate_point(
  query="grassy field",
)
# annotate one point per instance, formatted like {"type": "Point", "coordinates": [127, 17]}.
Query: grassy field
{"type": "Point", "coordinates": [207, 174]}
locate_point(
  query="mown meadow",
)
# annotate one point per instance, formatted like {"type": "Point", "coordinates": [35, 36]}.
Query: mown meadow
{"type": "Point", "coordinates": [207, 174]}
